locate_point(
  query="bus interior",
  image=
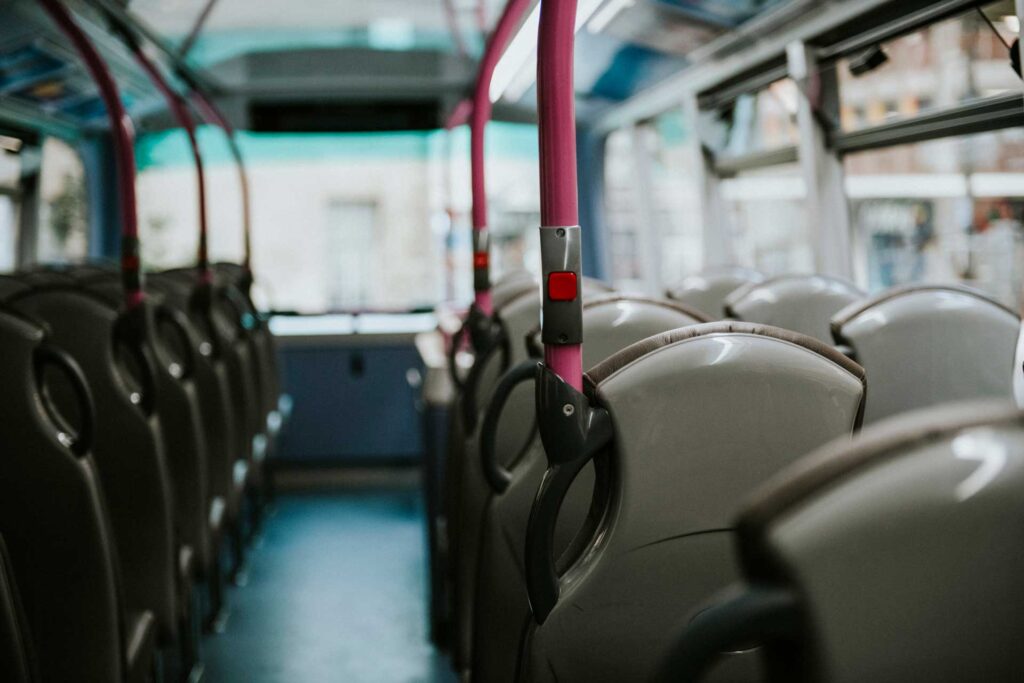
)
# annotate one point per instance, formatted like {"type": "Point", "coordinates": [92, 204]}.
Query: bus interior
{"type": "Point", "coordinates": [511, 341]}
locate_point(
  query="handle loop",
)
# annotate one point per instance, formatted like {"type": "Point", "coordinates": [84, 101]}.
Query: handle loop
{"type": "Point", "coordinates": [572, 432]}
{"type": "Point", "coordinates": [79, 443]}
{"type": "Point", "coordinates": [497, 476]}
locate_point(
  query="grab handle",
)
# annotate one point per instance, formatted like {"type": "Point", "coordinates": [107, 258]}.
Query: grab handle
{"type": "Point", "coordinates": [497, 476]}
{"type": "Point", "coordinates": [177, 321]}
{"type": "Point", "coordinates": [743, 618]}
{"type": "Point", "coordinates": [79, 443]}
{"type": "Point", "coordinates": [572, 432]}
{"type": "Point", "coordinates": [486, 341]}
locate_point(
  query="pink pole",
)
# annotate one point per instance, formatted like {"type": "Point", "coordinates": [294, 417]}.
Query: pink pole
{"type": "Point", "coordinates": [556, 105]}
{"type": "Point", "coordinates": [213, 115]}
{"type": "Point", "coordinates": [184, 118]}
{"type": "Point", "coordinates": [479, 118]}
{"type": "Point", "coordinates": [123, 134]}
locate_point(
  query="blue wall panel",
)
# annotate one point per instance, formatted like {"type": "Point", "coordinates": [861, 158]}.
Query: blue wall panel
{"type": "Point", "coordinates": [352, 404]}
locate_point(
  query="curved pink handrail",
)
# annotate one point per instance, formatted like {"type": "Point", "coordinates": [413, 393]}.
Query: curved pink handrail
{"type": "Point", "coordinates": [213, 115]}
{"type": "Point", "coordinates": [123, 134]}
{"type": "Point", "coordinates": [556, 104]}
{"type": "Point", "coordinates": [479, 117]}
{"type": "Point", "coordinates": [181, 114]}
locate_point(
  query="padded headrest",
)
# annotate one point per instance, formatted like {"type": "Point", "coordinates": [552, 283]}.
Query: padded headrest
{"type": "Point", "coordinates": [857, 308]}
{"type": "Point", "coordinates": [616, 362]}
{"type": "Point", "coordinates": [843, 458]}
{"type": "Point", "coordinates": [710, 276]}
{"type": "Point", "coordinates": [535, 346]}
{"type": "Point", "coordinates": [743, 292]}
{"type": "Point", "coordinates": [513, 291]}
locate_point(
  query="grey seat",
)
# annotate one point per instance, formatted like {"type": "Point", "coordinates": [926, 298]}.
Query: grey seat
{"type": "Point", "coordinates": [925, 345]}
{"type": "Point", "coordinates": [699, 417]}
{"type": "Point", "coordinates": [801, 303]}
{"type": "Point", "coordinates": [498, 590]}
{"type": "Point", "coordinates": [113, 351]}
{"type": "Point", "coordinates": [893, 557]}
{"type": "Point", "coordinates": [53, 516]}
{"type": "Point", "coordinates": [707, 291]}
{"type": "Point", "coordinates": [16, 663]}
{"type": "Point", "coordinates": [516, 318]}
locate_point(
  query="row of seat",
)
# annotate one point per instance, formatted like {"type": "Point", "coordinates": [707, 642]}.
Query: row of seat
{"type": "Point", "coordinates": [133, 468]}
{"type": "Point", "coordinates": [580, 570]}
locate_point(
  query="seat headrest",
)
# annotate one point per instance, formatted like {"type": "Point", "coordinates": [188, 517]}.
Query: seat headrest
{"type": "Point", "coordinates": [843, 458]}
{"type": "Point", "coordinates": [616, 362]}
{"type": "Point", "coordinates": [535, 346]}
{"type": "Point", "coordinates": [859, 307]}
{"type": "Point", "coordinates": [743, 292]}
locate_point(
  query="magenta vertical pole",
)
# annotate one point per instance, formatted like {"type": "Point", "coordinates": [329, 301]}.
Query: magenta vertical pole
{"type": "Point", "coordinates": [213, 115]}
{"type": "Point", "coordinates": [560, 232]}
{"type": "Point", "coordinates": [480, 116]}
{"type": "Point", "coordinates": [181, 114]}
{"type": "Point", "coordinates": [123, 134]}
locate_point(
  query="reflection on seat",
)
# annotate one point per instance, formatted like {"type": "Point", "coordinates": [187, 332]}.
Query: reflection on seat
{"type": "Point", "coordinates": [903, 547]}
{"type": "Point", "coordinates": [701, 417]}
{"type": "Point", "coordinates": [15, 663]}
{"type": "Point", "coordinates": [708, 290]}
{"type": "Point", "coordinates": [926, 345]}
{"type": "Point", "coordinates": [801, 303]}
{"type": "Point", "coordinates": [497, 587]}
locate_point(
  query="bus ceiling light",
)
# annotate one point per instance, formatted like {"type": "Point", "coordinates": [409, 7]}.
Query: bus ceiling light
{"type": "Point", "coordinates": [517, 68]}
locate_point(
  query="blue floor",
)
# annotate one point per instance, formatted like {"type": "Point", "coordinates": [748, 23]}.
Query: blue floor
{"type": "Point", "coordinates": [336, 592]}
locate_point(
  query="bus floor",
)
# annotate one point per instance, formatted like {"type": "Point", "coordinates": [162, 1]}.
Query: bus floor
{"type": "Point", "coordinates": [336, 591]}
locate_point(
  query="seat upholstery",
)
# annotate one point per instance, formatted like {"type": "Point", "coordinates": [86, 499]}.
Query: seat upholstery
{"type": "Point", "coordinates": [128, 448]}
{"type": "Point", "coordinates": [16, 664]}
{"type": "Point", "coordinates": [518, 317]}
{"type": "Point", "coordinates": [701, 417]}
{"type": "Point", "coordinates": [922, 346]}
{"type": "Point", "coordinates": [801, 303]}
{"type": "Point", "coordinates": [708, 290]}
{"type": "Point", "coordinates": [500, 605]}
{"type": "Point", "coordinates": [874, 534]}
{"type": "Point", "coordinates": [53, 517]}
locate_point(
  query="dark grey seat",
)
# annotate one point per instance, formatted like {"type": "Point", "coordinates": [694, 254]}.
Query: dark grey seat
{"type": "Point", "coordinates": [498, 588]}
{"type": "Point", "coordinates": [16, 663]}
{"type": "Point", "coordinates": [707, 291]}
{"type": "Point", "coordinates": [699, 418]}
{"type": "Point", "coordinates": [925, 345]}
{"type": "Point", "coordinates": [53, 515]}
{"type": "Point", "coordinates": [516, 318]}
{"type": "Point", "coordinates": [116, 356]}
{"type": "Point", "coordinates": [892, 557]}
{"type": "Point", "coordinates": [801, 303]}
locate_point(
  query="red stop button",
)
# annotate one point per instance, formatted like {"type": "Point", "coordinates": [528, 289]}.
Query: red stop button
{"type": "Point", "coordinates": [562, 286]}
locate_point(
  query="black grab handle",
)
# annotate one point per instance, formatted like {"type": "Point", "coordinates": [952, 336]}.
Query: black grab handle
{"type": "Point", "coordinates": [81, 442]}
{"type": "Point", "coordinates": [453, 354]}
{"type": "Point", "coordinates": [742, 618]}
{"type": "Point", "coordinates": [496, 339]}
{"type": "Point", "coordinates": [497, 476]}
{"type": "Point", "coordinates": [572, 432]}
{"type": "Point", "coordinates": [179, 323]}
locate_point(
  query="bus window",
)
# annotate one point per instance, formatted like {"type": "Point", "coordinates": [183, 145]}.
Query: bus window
{"type": "Point", "coordinates": [946, 210]}
{"type": "Point", "coordinates": [676, 196]}
{"type": "Point", "coordinates": [769, 220]}
{"type": "Point", "coordinates": [63, 205]}
{"type": "Point", "coordinates": [10, 176]}
{"type": "Point", "coordinates": [946, 64]}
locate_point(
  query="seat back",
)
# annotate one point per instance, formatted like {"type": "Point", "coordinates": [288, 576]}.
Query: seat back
{"type": "Point", "coordinates": [904, 548]}
{"type": "Point", "coordinates": [701, 417]}
{"type": "Point", "coordinates": [53, 514]}
{"type": "Point", "coordinates": [708, 290]}
{"type": "Point", "coordinates": [610, 323]}
{"type": "Point", "coordinates": [922, 346]}
{"type": "Point", "coordinates": [128, 449]}
{"type": "Point", "coordinates": [801, 303]}
{"type": "Point", "coordinates": [15, 663]}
